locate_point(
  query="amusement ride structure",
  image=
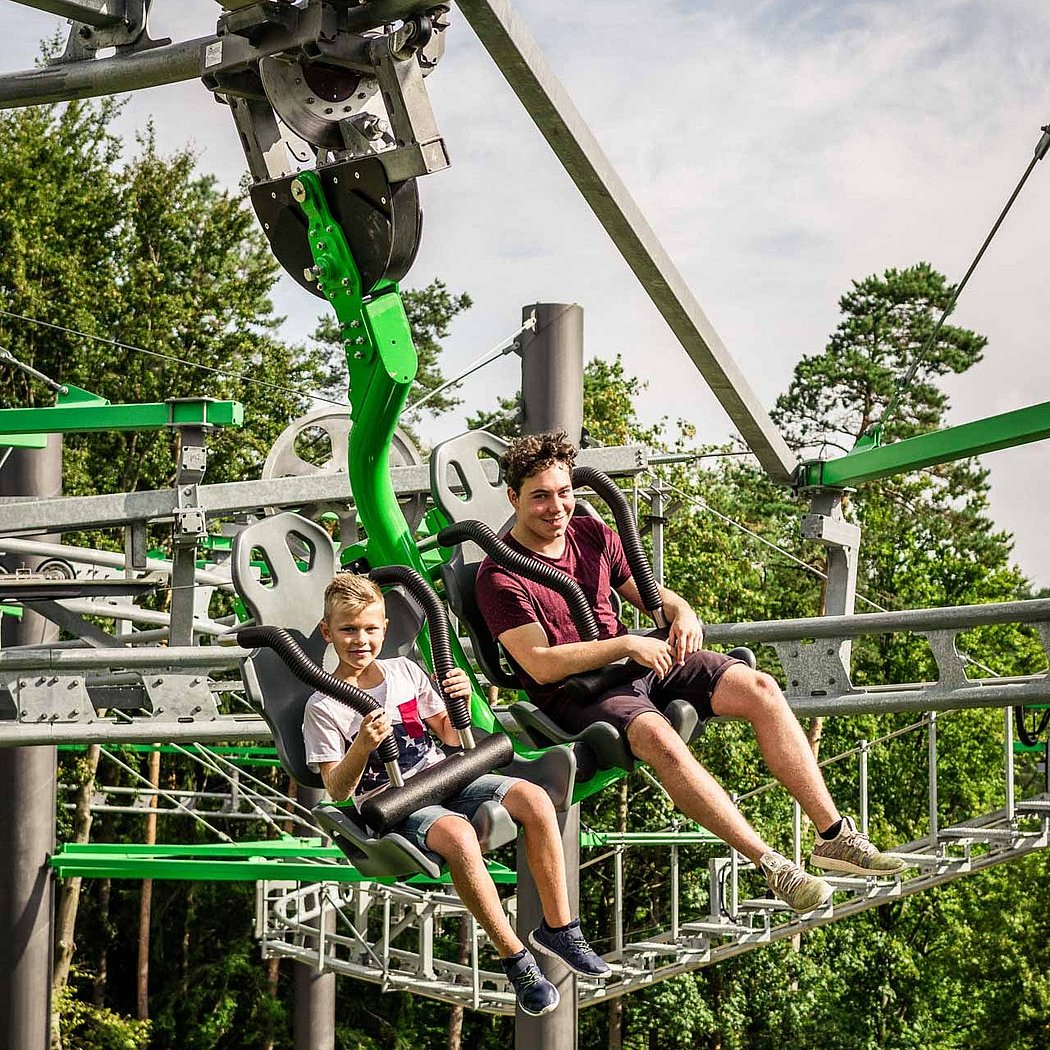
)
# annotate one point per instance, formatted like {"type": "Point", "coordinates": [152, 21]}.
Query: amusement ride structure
{"type": "Point", "coordinates": [330, 103]}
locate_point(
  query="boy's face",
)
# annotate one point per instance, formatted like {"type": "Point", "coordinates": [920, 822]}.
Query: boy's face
{"type": "Point", "coordinates": [545, 504]}
{"type": "Point", "coordinates": [357, 636]}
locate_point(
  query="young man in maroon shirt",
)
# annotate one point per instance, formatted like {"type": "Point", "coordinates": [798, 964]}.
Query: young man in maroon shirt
{"type": "Point", "coordinates": [533, 625]}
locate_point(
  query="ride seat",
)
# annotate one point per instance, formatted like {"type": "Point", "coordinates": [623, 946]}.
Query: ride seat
{"type": "Point", "coordinates": [300, 560]}
{"type": "Point", "coordinates": [464, 491]}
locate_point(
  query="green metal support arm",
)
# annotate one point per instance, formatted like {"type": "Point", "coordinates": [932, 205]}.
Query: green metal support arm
{"type": "Point", "coordinates": [78, 410]}
{"type": "Point", "coordinates": [869, 462]}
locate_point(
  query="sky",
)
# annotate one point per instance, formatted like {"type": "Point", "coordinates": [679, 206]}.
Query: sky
{"type": "Point", "coordinates": [780, 150]}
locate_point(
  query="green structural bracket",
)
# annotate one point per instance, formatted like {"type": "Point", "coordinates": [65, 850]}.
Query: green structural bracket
{"type": "Point", "coordinates": [292, 859]}
{"type": "Point", "coordinates": [80, 410]}
{"type": "Point", "coordinates": [23, 440]}
{"type": "Point", "coordinates": [870, 460]}
{"type": "Point", "coordinates": [381, 363]}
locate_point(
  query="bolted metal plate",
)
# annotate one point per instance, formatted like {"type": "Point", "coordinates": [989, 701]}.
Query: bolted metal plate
{"type": "Point", "coordinates": [180, 697]}
{"type": "Point", "coordinates": [50, 698]}
{"type": "Point", "coordinates": [814, 668]}
{"type": "Point", "coordinates": [381, 220]}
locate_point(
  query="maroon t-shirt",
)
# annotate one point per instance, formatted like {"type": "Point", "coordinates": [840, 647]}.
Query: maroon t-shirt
{"type": "Point", "coordinates": [593, 557]}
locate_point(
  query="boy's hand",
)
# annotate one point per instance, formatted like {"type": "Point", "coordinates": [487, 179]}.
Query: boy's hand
{"type": "Point", "coordinates": [374, 728]}
{"type": "Point", "coordinates": [456, 684]}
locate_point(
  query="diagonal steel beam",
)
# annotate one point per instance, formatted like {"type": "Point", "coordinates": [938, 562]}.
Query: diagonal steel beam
{"type": "Point", "coordinates": [92, 77]}
{"type": "Point", "coordinates": [100, 13]}
{"type": "Point", "coordinates": [518, 56]}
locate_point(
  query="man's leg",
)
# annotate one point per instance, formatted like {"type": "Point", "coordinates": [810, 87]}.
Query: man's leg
{"type": "Point", "coordinates": [756, 697]}
{"type": "Point", "coordinates": [694, 791]}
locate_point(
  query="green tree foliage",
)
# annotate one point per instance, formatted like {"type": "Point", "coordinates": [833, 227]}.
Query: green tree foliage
{"type": "Point", "coordinates": [149, 254]}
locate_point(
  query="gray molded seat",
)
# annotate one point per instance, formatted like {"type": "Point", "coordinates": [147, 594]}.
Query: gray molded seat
{"type": "Point", "coordinates": [301, 560]}
{"type": "Point", "coordinates": [464, 491]}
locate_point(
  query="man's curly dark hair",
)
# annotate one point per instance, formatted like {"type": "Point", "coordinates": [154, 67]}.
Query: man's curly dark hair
{"type": "Point", "coordinates": [535, 452]}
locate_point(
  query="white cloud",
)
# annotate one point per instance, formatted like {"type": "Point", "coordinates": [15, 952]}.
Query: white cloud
{"type": "Point", "coordinates": [780, 150]}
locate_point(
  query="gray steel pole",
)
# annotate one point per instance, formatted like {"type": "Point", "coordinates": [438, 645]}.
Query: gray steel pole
{"type": "Point", "coordinates": [90, 78]}
{"type": "Point", "coordinates": [314, 1016]}
{"type": "Point", "coordinates": [27, 832]}
{"type": "Point", "coordinates": [552, 399]}
{"type": "Point", "coordinates": [552, 370]}
{"type": "Point", "coordinates": [557, 1030]}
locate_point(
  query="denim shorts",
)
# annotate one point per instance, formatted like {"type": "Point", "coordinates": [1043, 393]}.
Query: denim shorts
{"type": "Point", "coordinates": [488, 788]}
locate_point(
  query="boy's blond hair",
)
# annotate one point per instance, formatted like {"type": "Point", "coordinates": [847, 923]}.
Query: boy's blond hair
{"type": "Point", "coordinates": [352, 591]}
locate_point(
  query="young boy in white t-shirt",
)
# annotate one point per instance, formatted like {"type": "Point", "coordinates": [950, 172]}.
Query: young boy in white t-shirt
{"type": "Point", "coordinates": [340, 744]}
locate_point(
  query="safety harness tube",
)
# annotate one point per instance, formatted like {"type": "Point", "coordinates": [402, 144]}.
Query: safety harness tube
{"type": "Point", "coordinates": [641, 570]}
{"type": "Point", "coordinates": [531, 568]}
{"type": "Point", "coordinates": [440, 639]}
{"type": "Point", "coordinates": [289, 650]}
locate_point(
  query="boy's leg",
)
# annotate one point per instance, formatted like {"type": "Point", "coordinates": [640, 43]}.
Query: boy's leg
{"type": "Point", "coordinates": [533, 811]}
{"type": "Point", "coordinates": [454, 839]}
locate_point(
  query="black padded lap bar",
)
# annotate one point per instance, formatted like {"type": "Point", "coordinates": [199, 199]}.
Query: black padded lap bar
{"type": "Point", "coordinates": [434, 785]}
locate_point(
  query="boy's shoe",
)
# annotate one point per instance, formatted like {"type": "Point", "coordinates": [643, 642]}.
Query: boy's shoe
{"type": "Point", "coordinates": [536, 995]}
{"type": "Point", "coordinates": [851, 852]}
{"type": "Point", "coordinates": [571, 947]}
{"type": "Point", "coordinates": [798, 889]}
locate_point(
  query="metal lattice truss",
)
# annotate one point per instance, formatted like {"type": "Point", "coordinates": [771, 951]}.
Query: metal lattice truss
{"type": "Point", "coordinates": [404, 938]}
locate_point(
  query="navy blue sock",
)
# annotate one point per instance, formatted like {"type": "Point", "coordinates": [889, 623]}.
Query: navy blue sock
{"type": "Point", "coordinates": [517, 956]}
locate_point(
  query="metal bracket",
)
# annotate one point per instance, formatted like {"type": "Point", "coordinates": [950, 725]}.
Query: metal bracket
{"type": "Point", "coordinates": [815, 668]}
{"type": "Point", "coordinates": [190, 519]}
{"type": "Point", "coordinates": [99, 24]}
{"type": "Point", "coordinates": [951, 668]}
{"type": "Point", "coordinates": [50, 698]}
{"type": "Point", "coordinates": [180, 697]}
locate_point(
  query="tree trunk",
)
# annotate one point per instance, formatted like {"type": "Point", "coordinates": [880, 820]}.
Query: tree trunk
{"type": "Point", "coordinates": [816, 725]}
{"type": "Point", "coordinates": [813, 735]}
{"type": "Point", "coordinates": [69, 889]}
{"type": "Point", "coordinates": [146, 903]}
{"type": "Point", "coordinates": [98, 985]}
{"type": "Point", "coordinates": [273, 973]}
{"type": "Point", "coordinates": [455, 1013]}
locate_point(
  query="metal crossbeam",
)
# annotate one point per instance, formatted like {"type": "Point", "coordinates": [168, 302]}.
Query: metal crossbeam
{"type": "Point", "coordinates": [1006, 430]}
{"type": "Point", "coordinates": [79, 512]}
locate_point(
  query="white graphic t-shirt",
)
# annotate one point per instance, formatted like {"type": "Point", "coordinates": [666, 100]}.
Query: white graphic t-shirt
{"type": "Point", "coordinates": [409, 697]}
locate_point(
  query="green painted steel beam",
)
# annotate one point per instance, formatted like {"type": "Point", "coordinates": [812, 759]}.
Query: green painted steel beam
{"type": "Point", "coordinates": [79, 410]}
{"type": "Point", "coordinates": [872, 461]}
{"type": "Point", "coordinates": [292, 859]}
{"type": "Point", "coordinates": [23, 440]}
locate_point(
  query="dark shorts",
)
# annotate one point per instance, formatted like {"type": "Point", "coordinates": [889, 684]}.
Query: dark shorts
{"type": "Point", "coordinates": [694, 681]}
